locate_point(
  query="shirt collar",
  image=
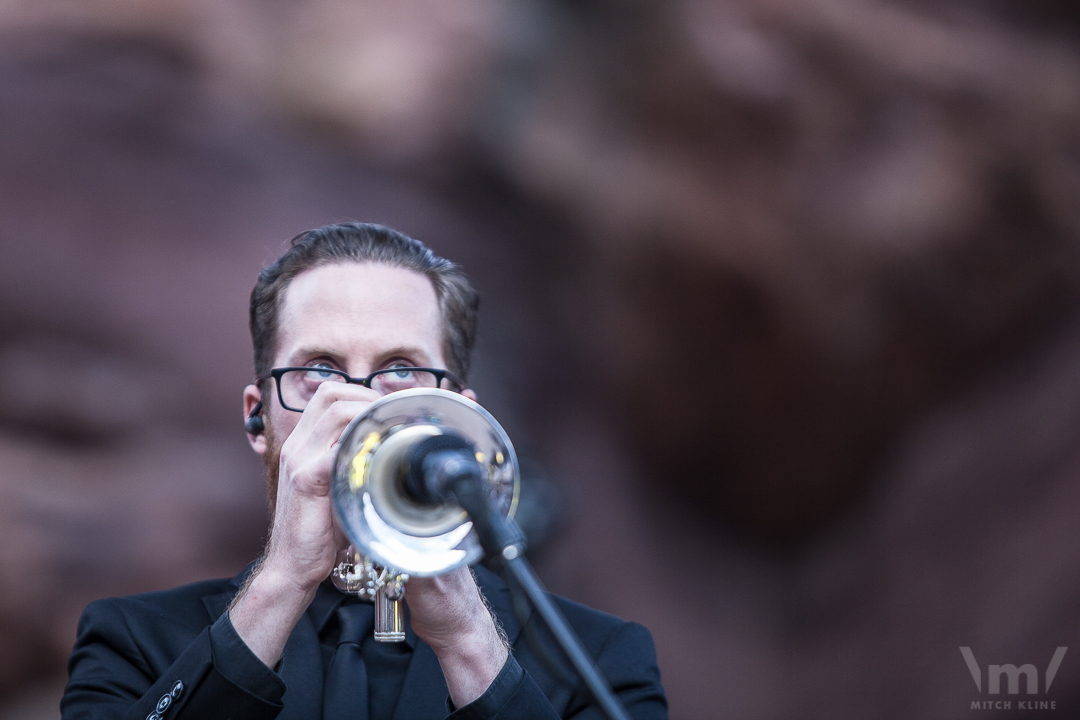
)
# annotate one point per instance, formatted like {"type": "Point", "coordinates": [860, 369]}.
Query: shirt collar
{"type": "Point", "coordinates": [327, 599]}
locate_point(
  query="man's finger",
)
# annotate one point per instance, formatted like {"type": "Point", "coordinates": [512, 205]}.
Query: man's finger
{"type": "Point", "coordinates": [325, 430]}
{"type": "Point", "coordinates": [327, 395]}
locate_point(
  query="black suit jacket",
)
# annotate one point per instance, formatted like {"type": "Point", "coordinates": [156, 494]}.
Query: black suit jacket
{"type": "Point", "coordinates": [175, 653]}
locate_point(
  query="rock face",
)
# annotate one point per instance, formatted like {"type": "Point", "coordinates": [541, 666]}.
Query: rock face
{"type": "Point", "coordinates": [782, 294]}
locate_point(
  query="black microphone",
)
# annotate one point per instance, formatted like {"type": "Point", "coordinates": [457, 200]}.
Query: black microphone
{"type": "Point", "coordinates": [444, 467]}
{"type": "Point", "coordinates": [431, 465]}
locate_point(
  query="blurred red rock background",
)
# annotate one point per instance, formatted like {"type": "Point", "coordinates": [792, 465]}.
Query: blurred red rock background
{"type": "Point", "coordinates": [779, 295]}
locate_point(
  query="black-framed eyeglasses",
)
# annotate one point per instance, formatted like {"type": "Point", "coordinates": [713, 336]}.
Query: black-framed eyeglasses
{"type": "Point", "coordinates": [297, 385]}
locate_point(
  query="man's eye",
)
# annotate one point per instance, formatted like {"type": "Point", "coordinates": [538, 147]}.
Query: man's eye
{"type": "Point", "coordinates": [318, 373]}
{"type": "Point", "coordinates": [403, 373]}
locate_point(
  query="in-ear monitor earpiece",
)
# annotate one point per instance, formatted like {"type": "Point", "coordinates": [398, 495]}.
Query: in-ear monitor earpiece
{"type": "Point", "coordinates": [254, 424]}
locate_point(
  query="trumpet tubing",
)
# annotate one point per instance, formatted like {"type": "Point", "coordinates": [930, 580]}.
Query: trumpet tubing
{"type": "Point", "coordinates": [394, 534]}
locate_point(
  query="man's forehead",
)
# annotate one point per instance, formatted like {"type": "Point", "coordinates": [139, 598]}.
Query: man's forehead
{"type": "Point", "coordinates": [363, 277]}
{"type": "Point", "coordinates": [345, 304]}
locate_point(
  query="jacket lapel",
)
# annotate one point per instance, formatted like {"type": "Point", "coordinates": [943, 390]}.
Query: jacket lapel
{"type": "Point", "coordinates": [302, 670]}
{"type": "Point", "coordinates": [424, 692]}
{"type": "Point", "coordinates": [301, 665]}
{"type": "Point", "coordinates": [215, 604]}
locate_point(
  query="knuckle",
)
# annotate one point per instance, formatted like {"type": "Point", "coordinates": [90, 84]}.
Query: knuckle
{"type": "Point", "coordinates": [352, 406]}
{"type": "Point", "coordinates": [342, 410]}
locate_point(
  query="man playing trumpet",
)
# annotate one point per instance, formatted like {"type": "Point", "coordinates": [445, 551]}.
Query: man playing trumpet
{"type": "Point", "coordinates": [349, 313]}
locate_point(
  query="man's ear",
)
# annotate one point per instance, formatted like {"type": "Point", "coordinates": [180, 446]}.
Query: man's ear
{"type": "Point", "coordinates": [470, 393]}
{"type": "Point", "coordinates": [252, 397]}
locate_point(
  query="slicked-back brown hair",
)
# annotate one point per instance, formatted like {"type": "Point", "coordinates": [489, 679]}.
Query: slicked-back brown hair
{"type": "Point", "coordinates": [366, 243]}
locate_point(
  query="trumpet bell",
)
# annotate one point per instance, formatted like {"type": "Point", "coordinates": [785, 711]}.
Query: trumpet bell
{"type": "Point", "coordinates": [370, 500]}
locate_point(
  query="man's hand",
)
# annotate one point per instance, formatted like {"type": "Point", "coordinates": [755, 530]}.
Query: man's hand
{"type": "Point", "coordinates": [448, 613]}
{"type": "Point", "coordinates": [303, 539]}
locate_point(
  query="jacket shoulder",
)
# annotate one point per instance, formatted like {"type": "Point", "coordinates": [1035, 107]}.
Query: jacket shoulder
{"type": "Point", "coordinates": [178, 613]}
{"type": "Point", "coordinates": [593, 627]}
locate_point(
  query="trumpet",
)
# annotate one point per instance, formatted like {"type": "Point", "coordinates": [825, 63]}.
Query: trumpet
{"type": "Point", "coordinates": [395, 531]}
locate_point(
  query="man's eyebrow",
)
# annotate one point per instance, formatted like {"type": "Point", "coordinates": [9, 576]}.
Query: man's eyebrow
{"type": "Point", "coordinates": [411, 351]}
{"type": "Point", "coordinates": [313, 351]}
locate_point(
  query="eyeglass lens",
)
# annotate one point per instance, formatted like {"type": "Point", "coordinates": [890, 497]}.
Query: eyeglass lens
{"type": "Point", "coordinates": [298, 386]}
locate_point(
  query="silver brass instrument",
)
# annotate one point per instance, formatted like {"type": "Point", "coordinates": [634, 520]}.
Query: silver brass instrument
{"type": "Point", "coordinates": [393, 536]}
